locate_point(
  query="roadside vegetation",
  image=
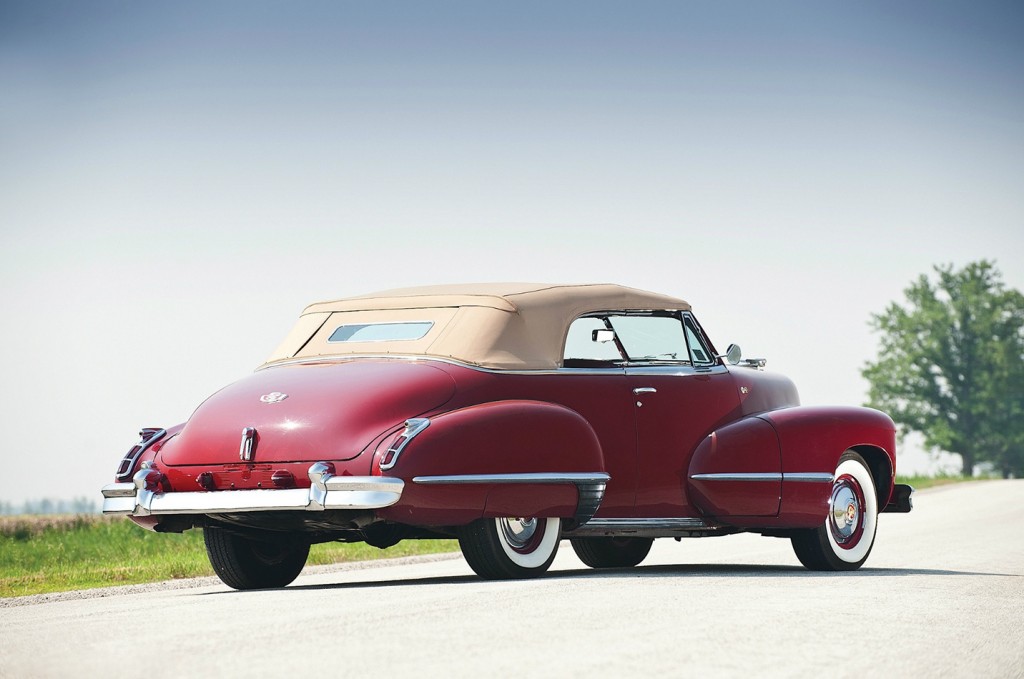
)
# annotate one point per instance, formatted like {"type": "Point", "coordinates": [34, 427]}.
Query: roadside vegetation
{"type": "Point", "coordinates": [42, 554]}
{"type": "Point", "coordinates": [922, 482]}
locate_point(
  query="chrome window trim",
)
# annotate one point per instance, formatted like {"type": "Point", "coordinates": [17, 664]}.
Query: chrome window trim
{"type": "Point", "coordinates": [630, 369]}
{"type": "Point", "coordinates": [646, 370]}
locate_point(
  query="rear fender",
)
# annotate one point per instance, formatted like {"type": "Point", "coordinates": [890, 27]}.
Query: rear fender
{"type": "Point", "coordinates": [505, 458]}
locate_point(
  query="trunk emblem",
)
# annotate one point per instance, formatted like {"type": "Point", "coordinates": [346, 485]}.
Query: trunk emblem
{"type": "Point", "coordinates": [273, 397]}
{"type": "Point", "coordinates": [247, 451]}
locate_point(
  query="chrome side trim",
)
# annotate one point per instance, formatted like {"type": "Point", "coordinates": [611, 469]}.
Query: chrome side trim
{"type": "Point", "coordinates": [412, 427]}
{"type": "Point", "coordinates": [797, 477]}
{"type": "Point", "coordinates": [325, 492]}
{"type": "Point", "coordinates": [739, 476]}
{"type": "Point", "coordinates": [590, 486]}
{"type": "Point", "coordinates": [541, 477]}
{"type": "Point", "coordinates": [809, 477]}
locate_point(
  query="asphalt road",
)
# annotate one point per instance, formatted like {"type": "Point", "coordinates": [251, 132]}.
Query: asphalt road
{"type": "Point", "coordinates": [941, 595]}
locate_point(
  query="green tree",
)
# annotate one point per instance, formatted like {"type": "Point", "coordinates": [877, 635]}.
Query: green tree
{"type": "Point", "coordinates": [951, 365]}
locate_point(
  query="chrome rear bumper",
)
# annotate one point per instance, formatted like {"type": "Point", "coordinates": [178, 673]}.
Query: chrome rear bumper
{"type": "Point", "coordinates": [325, 492]}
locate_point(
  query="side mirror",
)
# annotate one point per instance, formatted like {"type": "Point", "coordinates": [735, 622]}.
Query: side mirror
{"type": "Point", "coordinates": [603, 335]}
{"type": "Point", "coordinates": [733, 354]}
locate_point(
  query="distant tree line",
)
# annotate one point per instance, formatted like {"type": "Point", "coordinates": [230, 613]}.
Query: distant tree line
{"type": "Point", "coordinates": [79, 505]}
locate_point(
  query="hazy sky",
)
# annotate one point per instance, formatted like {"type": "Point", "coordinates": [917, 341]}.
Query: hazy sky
{"type": "Point", "coordinates": [178, 180]}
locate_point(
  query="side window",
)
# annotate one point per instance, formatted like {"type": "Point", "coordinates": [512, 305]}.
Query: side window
{"type": "Point", "coordinates": [651, 338]}
{"type": "Point", "coordinates": [580, 347]}
{"type": "Point", "coordinates": [699, 352]}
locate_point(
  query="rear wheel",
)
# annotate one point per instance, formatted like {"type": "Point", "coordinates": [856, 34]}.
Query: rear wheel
{"type": "Point", "coordinates": [507, 547]}
{"type": "Point", "coordinates": [245, 563]}
{"type": "Point", "coordinates": [845, 538]}
{"type": "Point", "coordinates": [612, 552]}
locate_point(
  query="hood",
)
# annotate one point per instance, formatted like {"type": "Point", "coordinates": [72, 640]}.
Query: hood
{"type": "Point", "coordinates": [308, 412]}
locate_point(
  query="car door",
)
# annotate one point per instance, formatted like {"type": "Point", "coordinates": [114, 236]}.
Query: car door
{"type": "Point", "coordinates": [681, 393]}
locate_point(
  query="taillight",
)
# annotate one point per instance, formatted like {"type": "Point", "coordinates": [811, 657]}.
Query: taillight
{"type": "Point", "coordinates": [148, 436]}
{"type": "Point", "coordinates": [412, 428]}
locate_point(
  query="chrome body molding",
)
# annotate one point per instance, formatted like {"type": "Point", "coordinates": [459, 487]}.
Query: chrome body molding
{"type": "Point", "coordinates": [739, 476]}
{"type": "Point", "coordinates": [809, 477]}
{"type": "Point", "coordinates": [798, 477]}
{"type": "Point", "coordinates": [325, 492]}
{"type": "Point", "coordinates": [653, 528]}
{"type": "Point", "coordinates": [528, 477]}
{"type": "Point", "coordinates": [590, 486]}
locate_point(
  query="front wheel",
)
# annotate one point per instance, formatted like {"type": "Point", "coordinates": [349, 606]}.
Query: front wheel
{"type": "Point", "coordinates": [508, 548]}
{"type": "Point", "coordinates": [844, 540]}
{"type": "Point", "coordinates": [245, 563]}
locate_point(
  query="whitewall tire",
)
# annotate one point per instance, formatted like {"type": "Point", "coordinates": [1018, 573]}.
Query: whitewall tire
{"type": "Point", "coordinates": [510, 547]}
{"type": "Point", "coordinates": [845, 538]}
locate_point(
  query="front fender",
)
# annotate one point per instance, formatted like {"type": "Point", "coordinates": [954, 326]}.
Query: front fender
{"type": "Point", "coordinates": [504, 458]}
{"type": "Point", "coordinates": [812, 440]}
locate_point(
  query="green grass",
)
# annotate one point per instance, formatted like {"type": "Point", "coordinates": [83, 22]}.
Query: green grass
{"type": "Point", "coordinates": [922, 482]}
{"type": "Point", "coordinates": [55, 554]}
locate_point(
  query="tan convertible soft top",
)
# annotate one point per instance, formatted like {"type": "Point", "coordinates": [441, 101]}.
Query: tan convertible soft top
{"type": "Point", "coordinates": [512, 326]}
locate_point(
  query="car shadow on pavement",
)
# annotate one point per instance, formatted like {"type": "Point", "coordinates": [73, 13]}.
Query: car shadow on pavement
{"type": "Point", "coordinates": [659, 571]}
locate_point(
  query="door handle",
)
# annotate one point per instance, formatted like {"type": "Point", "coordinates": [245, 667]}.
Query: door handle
{"type": "Point", "coordinates": [645, 390]}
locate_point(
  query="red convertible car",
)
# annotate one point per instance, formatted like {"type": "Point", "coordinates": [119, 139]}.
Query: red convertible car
{"type": "Point", "coordinates": [509, 416]}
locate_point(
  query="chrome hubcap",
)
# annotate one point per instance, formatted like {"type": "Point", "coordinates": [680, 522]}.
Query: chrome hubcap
{"type": "Point", "coordinates": [845, 512]}
{"type": "Point", "coordinates": [518, 531]}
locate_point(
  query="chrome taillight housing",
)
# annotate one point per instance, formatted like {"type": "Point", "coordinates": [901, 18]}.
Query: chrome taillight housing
{"type": "Point", "coordinates": [412, 427]}
{"type": "Point", "coordinates": [148, 437]}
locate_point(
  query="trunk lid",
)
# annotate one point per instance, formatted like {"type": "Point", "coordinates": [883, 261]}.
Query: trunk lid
{"type": "Point", "coordinates": [308, 412]}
